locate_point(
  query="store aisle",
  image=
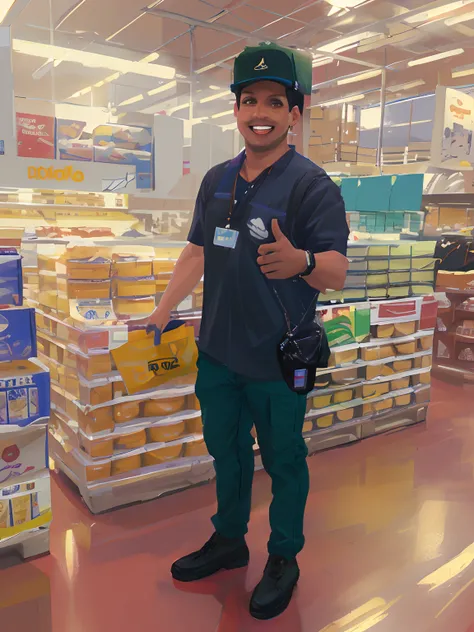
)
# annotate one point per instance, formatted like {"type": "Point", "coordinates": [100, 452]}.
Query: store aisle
{"type": "Point", "coordinates": [390, 530]}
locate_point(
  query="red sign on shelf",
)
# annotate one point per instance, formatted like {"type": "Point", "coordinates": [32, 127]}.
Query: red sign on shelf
{"type": "Point", "coordinates": [35, 136]}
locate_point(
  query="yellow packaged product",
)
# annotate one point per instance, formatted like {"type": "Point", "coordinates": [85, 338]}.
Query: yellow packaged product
{"type": "Point", "coordinates": [424, 378]}
{"type": "Point", "coordinates": [307, 426]}
{"type": "Point", "coordinates": [375, 265]}
{"type": "Point", "coordinates": [406, 348]}
{"type": "Point", "coordinates": [88, 289]}
{"type": "Point", "coordinates": [98, 471]}
{"type": "Point", "coordinates": [162, 455]}
{"type": "Point", "coordinates": [375, 280]}
{"type": "Point", "coordinates": [119, 389]}
{"type": "Point", "coordinates": [345, 376]}
{"type": "Point", "coordinates": [194, 426]}
{"type": "Point", "coordinates": [20, 509]}
{"type": "Point", "coordinates": [99, 420]}
{"type": "Point", "coordinates": [378, 370]}
{"type": "Point", "coordinates": [375, 390]}
{"type": "Point", "coordinates": [93, 269]}
{"type": "Point", "coordinates": [163, 266]}
{"type": "Point", "coordinates": [133, 287]}
{"type": "Point", "coordinates": [377, 407]}
{"type": "Point", "coordinates": [93, 365]}
{"type": "Point", "coordinates": [405, 329]}
{"type": "Point", "coordinates": [403, 400]}
{"type": "Point", "coordinates": [345, 356]}
{"type": "Point", "coordinates": [385, 331]}
{"type": "Point", "coordinates": [195, 448]}
{"type": "Point", "coordinates": [161, 285]}
{"type": "Point", "coordinates": [424, 362]}
{"type": "Point", "coordinates": [101, 447]}
{"type": "Point", "coordinates": [126, 411]}
{"type": "Point", "coordinates": [192, 402]}
{"type": "Point", "coordinates": [399, 277]}
{"type": "Point", "coordinates": [95, 395]}
{"type": "Point", "coordinates": [325, 421]}
{"type": "Point", "coordinates": [131, 267]}
{"type": "Point", "coordinates": [4, 514]}
{"type": "Point", "coordinates": [426, 343]}
{"type": "Point", "coordinates": [400, 366]}
{"type": "Point", "coordinates": [368, 354]}
{"type": "Point", "coordinates": [48, 299]}
{"type": "Point", "coordinates": [400, 384]}
{"type": "Point", "coordinates": [167, 432]}
{"type": "Point", "coordinates": [322, 401]}
{"type": "Point", "coordinates": [134, 306]}
{"type": "Point", "coordinates": [163, 407]}
{"type": "Point", "coordinates": [345, 415]}
{"type": "Point", "coordinates": [343, 396]}
{"type": "Point", "coordinates": [124, 464]}
{"type": "Point", "coordinates": [131, 440]}
{"type": "Point", "coordinates": [144, 365]}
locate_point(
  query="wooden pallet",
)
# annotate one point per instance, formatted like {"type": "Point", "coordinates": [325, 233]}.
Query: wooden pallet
{"type": "Point", "coordinates": [27, 544]}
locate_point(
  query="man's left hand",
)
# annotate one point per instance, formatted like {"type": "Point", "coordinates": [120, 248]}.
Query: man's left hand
{"type": "Point", "coordinates": [281, 260]}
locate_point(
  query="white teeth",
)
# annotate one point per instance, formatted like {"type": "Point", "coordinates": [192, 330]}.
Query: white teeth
{"type": "Point", "coordinates": [262, 128]}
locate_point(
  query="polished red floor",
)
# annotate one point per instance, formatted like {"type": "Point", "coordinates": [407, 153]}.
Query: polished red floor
{"type": "Point", "coordinates": [390, 547]}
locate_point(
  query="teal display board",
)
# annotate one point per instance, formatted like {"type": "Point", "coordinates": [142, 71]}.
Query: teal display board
{"type": "Point", "coordinates": [373, 193]}
{"type": "Point", "coordinates": [406, 193]}
{"type": "Point", "coordinates": [383, 193]}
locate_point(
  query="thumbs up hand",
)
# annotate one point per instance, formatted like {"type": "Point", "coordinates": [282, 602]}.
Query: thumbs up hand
{"type": "Point", "coordinates": [281, 260]}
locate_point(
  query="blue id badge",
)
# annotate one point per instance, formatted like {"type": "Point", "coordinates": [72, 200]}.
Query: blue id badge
{"type": "Point", "coordinates": [226, 237]}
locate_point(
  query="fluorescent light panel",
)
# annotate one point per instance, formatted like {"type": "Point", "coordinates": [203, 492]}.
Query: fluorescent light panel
{"type": "Point", "coordinates": [346, 43]}
{"type": "Point", "coordinates": [163, 88]}
{"type": "Point", "coordinates": [5, 6]}
{"type": "Point", "coordinates": [322, 61]}
{"type": "Point", "coordinates": [361, 77]}
{"type": "Point", "coordinates": [356, 97]}
{"type": "Point", "coordinates": [92, 60]}
{"type": "Point", "coordinates": [220, 114]}
{"type": "Point", "coordinates": [177, 108]}
{"type": "Point", "coordinates": [424, 16]}
{"type": "Point", "coordinates": [135, 99]}
{"type": "Point", "coordinates": [406, 86]}
{"type": "Point", "coordinates": [458, 19]}
{"type": "Point", "coordinates": [462, 73]}
{"type": "Point", "coordinates": [437, 57]}
{"type": "Point", "coordinates": [213, 97]}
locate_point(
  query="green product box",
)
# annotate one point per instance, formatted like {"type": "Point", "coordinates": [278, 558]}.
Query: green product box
{"type": "Point", "coordinates": [346, 324]}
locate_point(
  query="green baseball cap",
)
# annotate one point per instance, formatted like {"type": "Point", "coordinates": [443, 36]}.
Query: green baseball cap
{"type": "Point", "coordinates": [269, 62]}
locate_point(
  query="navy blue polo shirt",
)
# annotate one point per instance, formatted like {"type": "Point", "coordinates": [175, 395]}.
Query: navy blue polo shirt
{"type": "Point", "coordinates": [242, 320]}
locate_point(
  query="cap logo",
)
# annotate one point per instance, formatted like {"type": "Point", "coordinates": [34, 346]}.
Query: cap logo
{"type": "Point", "coordinates": [262, 65]}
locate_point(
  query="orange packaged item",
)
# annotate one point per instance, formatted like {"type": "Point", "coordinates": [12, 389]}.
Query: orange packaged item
{"type": "Point", "coordinates": [123, 464]}
{"type": "Point", "coordinates": [133, 287]}
{"type": "Point", "coordinates": [194, 426]}
{"type": "Point", "coordinates": [94, 365]}
{"type": "Point", "coordinates": [119, 389]}
{"type": "Point", "coordinates": [98, 471]}
{"type": "Point", "coordinates": [162, 455]}
{"type": "Point", "coordinates": [162, 407]}
{"type": "Point", "coordinates": [193, 403]}
{"type": "Point", "coordinates": [93, 269]}
{"type": "Point", "coordinates": [88, 289]}
{"type": "Point", "coordinates": [131, 267]}
{"type": "Point", "coordinates": [131, 440]}
{"type": "Point", "coordinates": [99, 420]}
{"type": "Point", "coordinates": [97, 447]}
{"type": "Point", "coordinates": [126, 412]}
{"type": "Point", "coordinates": [167, 432]}
{"type": "Point", "coordinates": [95, 395]}
{"type": "Point", "coordinates": [144, 365]}
{"type": "Point", "coordinates": [195, 448]}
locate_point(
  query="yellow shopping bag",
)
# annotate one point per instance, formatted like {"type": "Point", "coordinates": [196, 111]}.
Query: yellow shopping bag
{"type": "Point", "coordinates": [144, 365]}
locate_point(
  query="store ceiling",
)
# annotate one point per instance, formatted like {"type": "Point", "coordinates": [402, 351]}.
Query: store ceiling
{"type": "Point", "coordinates": [351, 41]}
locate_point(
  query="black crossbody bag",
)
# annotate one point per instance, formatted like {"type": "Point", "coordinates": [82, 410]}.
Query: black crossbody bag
{"type": "Point", "coordinates": [304, 348]}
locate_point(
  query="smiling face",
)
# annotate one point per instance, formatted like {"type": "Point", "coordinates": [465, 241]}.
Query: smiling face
{"type": "Point", "coordinates": [264, 117]}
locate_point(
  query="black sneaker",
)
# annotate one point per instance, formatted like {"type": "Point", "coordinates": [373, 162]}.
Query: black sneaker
{"type": "Point", "coordinates": [273, 594]}
{"type": "Point", "coordinates": [217, 554]}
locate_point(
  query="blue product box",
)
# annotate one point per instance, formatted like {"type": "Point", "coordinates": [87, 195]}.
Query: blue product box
{"type": "Point", "coordinates": [11, 282]}
{"type": "Point", "coordinates": [24, 393]}
{"type": "Point", "coordinates": [17, 334]}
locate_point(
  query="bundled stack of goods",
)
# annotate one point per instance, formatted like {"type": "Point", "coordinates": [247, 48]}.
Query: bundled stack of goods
{"type": "Point", "coordinates": [379, 371]}
{"type": "Point", "coordinates": [25, 498]}
{"type": "Point", "coordinates": [335, 139]}
{"type": "Point", "coordinates": [379, 270]}
{"type": "Point", "coordinates": [385, 204]}
{"type": "Point", "coordinates": [454, 339]}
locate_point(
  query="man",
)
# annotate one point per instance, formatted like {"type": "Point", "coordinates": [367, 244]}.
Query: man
{"type": "Point", "coordinates": [240, 240]}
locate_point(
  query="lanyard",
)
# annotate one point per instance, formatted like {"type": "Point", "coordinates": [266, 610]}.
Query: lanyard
{"type": "Point", "coordinates": [255, 186]}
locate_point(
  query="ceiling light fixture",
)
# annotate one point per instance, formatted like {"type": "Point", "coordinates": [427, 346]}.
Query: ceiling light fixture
{"type": "Point", "coordinates": [346, 4]}
{"type": "Point", "coordinates": [360, 77]}
{"type": "Point", "coordinates": [81, 93]}
{"type": "Point", "coordinates": [5, 7]}
{"type": "Point", "coordinates": [349, 42]}
{"type": "Point", "coordinates": [322, 61]}
{"type": "Point", "coordinates": [177, 108]}
{"type": "Point", "coordinates": [221, 114]}
{"type": "Point", "coordinates": [92, 60]}
{"type": "Point", "coordinates": [425, 16]}
{"type": "Point", "coordinates": [355, 97]}
{"type": "Point", "coordinates": [465, 72]}
{"type": "Point", "coordinates": [214, 97]}
{"type": "Point", "coordinates": [406, 86]}
{"type": "Point", "coordinates": [458, 19]}
{"type": "Point", "coordinates": [136, 99]}
{"type": "Point", "coordinates": [163, 88]}
{"type": "Point", "coordinates": [437, 57]}
{"type": "Point", "coordinates": [214, 88]}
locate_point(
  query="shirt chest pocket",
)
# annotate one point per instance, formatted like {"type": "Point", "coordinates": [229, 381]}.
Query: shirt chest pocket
{"type": "Point", "coordinates": [259, 222]}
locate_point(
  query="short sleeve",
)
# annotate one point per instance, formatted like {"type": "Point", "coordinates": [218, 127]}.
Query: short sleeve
{"type": "Point", "coordinates": [196, 232]}
{"type": "Point", "coordinates": [321, 224]}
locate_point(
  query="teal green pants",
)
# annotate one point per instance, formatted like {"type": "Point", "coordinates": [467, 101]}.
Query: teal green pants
{"type": "Point", "coordinates": [231, 405]}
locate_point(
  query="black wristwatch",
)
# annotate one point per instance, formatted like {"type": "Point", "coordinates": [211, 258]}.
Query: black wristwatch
{"type": "Point", "coordinates": [311, 263]}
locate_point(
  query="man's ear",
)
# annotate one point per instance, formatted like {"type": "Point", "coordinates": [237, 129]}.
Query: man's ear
{"type": "Point", "coordinates": [295, 116]}
{"type": "Point", "coordinates": [236, 108]}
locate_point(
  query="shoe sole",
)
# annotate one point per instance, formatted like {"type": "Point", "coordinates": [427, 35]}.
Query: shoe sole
{"type": "Point", "coordinates": [262, 615]}
{"type": "Point", "coordinates": [197, 576]}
